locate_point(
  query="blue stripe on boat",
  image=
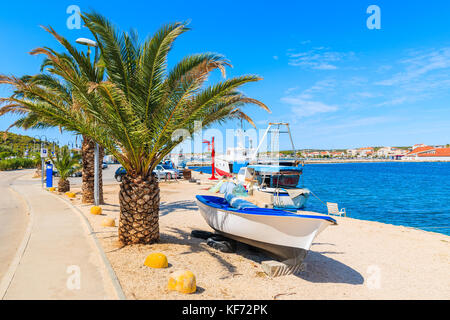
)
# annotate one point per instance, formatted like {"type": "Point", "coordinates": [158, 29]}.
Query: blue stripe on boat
{"type": "Point", "coordinates": [221, 203]}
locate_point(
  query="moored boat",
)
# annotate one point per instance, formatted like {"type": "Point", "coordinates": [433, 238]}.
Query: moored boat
{"type": "Point", "coordinates": [277, 177]}
{"type": "Point", "coordinates": [280, 182]}
{"type": "Point", "coordinates": [231, 162]}
{"type": "Point", "coordinates": [234, 158]}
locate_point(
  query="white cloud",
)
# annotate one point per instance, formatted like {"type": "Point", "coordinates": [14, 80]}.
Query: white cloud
{"type": "Point", "coordinates": [418, 66]}
{"type": "Point", "coordinates": [317, 58]}
{"type": "Point", "coordinates": [322, 86]}
{"type": "Point", "coordinates": [394, 101]}
{"type": "Point", "coordinates": [289, 90]}
{"type": "Point", "coordinates": [365, 94]}
{"type": "Point", "coordinates": [302, 107]}
{"type": "Point", "coordinates": [325, 66]}
{"type": "Point", "coordinates": [305, 103]}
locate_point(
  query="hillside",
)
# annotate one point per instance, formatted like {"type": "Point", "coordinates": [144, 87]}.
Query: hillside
{"type": "Point", "coordinates": [17, 143]}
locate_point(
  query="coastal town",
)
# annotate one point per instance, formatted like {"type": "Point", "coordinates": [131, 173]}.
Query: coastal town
{"type": "Point", "coordinates": [417, 152]}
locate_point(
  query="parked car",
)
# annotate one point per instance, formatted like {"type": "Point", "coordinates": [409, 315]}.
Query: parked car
{"type": "Point", "coordinates": [77, 174]}
{"type": "Point", "coordinates": [165, 172]}
{"type": "Point", "coordinates": [120, 172]}
{"type": "Point", "coordinates": [160, 172]}
{"type": "Point", "coordinates": [104, 165]}
{"type": "Point", "coordinates": [171, 168]}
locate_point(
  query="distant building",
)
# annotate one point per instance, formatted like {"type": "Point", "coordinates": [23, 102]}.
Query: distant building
{"type": "Point", "coordinates": [384, 152]}
{"type": "Point", "coordinates": [337, 154]}
{"type": "Point", "coordinates": [364, 152]}
{"type": "Point", "coordinates": [428, 153]}
{"type": "Point", "coordinates": [352, 152]}
{"type": "Point", "coordinates": [390, 152]}
{"type": "Point", "coordinates": [420, 145]}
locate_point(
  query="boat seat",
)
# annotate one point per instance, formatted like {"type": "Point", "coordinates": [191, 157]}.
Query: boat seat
{"type": "Point", "coordinates": [334, 209]}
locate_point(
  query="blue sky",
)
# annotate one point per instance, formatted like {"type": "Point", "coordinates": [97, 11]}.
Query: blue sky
{"type": "Point", "coordinates": [339, 84]}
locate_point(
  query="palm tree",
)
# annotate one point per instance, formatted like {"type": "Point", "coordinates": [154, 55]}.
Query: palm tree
{"type": "Point", "coordinates": [82, 66]}
{"type": "Point", "coordinates": [66, 164]}
{"type": "Point", "coordinates": [136, 111]}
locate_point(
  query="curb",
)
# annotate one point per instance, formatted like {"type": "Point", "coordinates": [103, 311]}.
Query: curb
{"type": "Point", "coordinates": [112, 275]}
{"type": "Point", "coordinates": [9, 275]}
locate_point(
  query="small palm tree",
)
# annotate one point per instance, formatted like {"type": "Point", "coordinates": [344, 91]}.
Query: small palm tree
{"type": "Point", "coordinates": [66, 164]}
{"type": "Point", "coordinates": [136, 112]}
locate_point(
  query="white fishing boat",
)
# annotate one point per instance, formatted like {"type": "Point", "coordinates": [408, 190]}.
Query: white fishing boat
{"type": "Point", "coordinates": [280, 182]}
{"type": "Point", "coordinates": [287, 236]}
{"type": "Point", "coordinates": [232, 161]}
{"type": "Point", "coordinates": [178, 159]}
{"type": "Point", "coordinates": [235, 158]}
{"type": "Point", "coordinates": [279, 178]}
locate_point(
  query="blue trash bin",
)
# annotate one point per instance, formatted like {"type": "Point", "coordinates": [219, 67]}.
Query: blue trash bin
{"type": "Point", "coordinates": [49, 174]}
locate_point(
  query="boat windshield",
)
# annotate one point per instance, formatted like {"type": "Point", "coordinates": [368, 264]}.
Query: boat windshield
{"type": "Point", "coordinates": [285, 180]}
{"type": "Point", "coordinates": [279, 180]}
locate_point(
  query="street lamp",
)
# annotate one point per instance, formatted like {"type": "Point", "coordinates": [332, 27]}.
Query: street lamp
{"type": "Point", "coordinates": [91, 43]}
{"type": "Point", "coordinates": [42, 158]}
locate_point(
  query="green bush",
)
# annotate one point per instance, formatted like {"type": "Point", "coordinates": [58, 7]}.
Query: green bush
{"type": "Point", "coordinates": [16, 163]}
{"type": "Point", "coordinates": [5, 154]}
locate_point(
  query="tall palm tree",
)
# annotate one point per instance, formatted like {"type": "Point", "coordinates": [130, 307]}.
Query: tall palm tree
{"type": "Point", "coordinates": [81, 65]}
{"type": "Point", "coordinates": [136, 111]}
{"type": "Point", "coordinates": [66, 164]}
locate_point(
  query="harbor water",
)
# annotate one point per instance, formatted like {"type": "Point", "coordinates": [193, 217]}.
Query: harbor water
{"type": "Point", "coordinates": [413, 194]}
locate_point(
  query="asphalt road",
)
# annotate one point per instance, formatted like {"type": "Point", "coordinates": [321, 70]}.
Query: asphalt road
{"type": "Point", "coordinates": [108, 176]}
{"type": "Point", "coordinates": [13, 219]}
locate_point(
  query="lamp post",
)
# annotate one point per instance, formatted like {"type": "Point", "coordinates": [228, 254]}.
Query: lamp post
{"type": "Point", "coordinates": [90, 43]}
{"type": "Point", "coordinates": [43, 154]}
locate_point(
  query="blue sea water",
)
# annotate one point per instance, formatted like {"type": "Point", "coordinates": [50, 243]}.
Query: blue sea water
{"type": "Point", "coordinates": [400, 193]}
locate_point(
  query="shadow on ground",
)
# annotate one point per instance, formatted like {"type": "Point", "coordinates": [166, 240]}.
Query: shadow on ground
{"type": "Point", "coordinates": [166, 208]}
{"type": "Point", "coordinates": [322, 269]}
{"type": "Point", "coordinates": [319, 268]}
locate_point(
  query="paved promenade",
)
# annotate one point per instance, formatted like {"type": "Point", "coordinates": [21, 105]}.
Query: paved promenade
{"type": "Point", "coordinates": [59, 259]}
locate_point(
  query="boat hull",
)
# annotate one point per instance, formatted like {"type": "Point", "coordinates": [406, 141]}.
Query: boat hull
{"type": "Point", "coordinates": [286, 236]}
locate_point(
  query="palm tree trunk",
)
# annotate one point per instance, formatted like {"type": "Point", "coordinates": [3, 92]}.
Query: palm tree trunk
{"type": "Point", "coordinates": [63, 185]}
{"type": "Point", "coordinates": [87, 186]}
{"type": "Point", "coordinates": [139, 210]}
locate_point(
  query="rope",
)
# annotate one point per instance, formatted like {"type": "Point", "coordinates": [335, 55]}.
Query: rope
{"type": "Point", "coordinates": [278, 191]}
{"type": "Point", "coordinates": [317, 197]}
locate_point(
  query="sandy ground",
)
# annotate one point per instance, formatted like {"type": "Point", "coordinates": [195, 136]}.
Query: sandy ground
{"type": "Point", "coordinates": [354, 260]}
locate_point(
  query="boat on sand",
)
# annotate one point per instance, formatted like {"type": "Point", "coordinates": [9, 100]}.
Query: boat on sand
{"type": "Point", "coordinates": [285, 235]}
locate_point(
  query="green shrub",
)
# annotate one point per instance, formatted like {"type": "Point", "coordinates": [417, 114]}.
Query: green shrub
{"type": "Point", "coordinates": [16, 163]}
